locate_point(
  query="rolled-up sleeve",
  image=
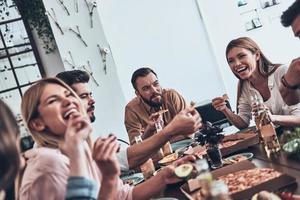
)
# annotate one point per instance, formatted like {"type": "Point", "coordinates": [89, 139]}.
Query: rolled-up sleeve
{"type": "Point", "coordinates": [132, 124]}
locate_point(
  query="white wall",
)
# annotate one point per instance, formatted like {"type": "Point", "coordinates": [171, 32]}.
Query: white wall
{"type": "Point", "coordinates": [167, 35]}
{"type": "Point", "coordinates": [108, 95]}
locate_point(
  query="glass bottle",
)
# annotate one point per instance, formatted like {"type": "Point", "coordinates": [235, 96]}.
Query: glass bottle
{"type": "Point", "coordinates": [266, 128]}
{"type": "Point", "coordinates": [219, 191]}
{"type": "Point", "coordinates": [159, 124]}
{"type": "Point", "coordinates": [204, 176]}
{"type": "Point", "coordinates": [147, 168]}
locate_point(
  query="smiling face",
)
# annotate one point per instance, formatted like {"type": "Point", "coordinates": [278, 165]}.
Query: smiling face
{"type": "Point", "coordinates": [296, 26]}
{"type": "Point", "coordinates": [57, 104]}
{"type": "Point", "coordinates": [149, 89]}
{"type": "Point", "coordinates": [85, 94]}
{"type": "Point", "coordinates": [242, 62]}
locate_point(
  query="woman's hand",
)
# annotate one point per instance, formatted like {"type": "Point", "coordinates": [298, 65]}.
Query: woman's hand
{"type": "Point", "coordinates": [78, 130]}
{"type": "Point", "coordinates": [104, 153]}
{"type": "Point", "coordinates": [219, 103]}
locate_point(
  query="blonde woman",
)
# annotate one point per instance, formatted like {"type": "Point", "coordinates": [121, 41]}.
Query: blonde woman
{"type": "Point", "coordinates": [53, 112]}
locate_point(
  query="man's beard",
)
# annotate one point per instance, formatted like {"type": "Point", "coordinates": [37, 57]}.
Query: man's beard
{"type": "Point", "coordinates": [155, 105]}
{"type": "Point", "coordinates": [92, 118]}
{"type": "Point", "coordinates": [92, 115]}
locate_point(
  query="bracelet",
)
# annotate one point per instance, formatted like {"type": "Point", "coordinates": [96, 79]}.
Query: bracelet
{"type": "Point", "coordinates": [287, 85]}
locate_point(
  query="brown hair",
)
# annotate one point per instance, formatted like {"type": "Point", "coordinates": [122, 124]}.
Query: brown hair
{"type": "Point", "coordinates": [265, 66]}
{"type": "Point", "coordinates": [141, 72]}
{"type": "Point", "coordinates": [288, 16]}
{"type": "Point", "coordinates": [29, 107]}
{"type": "Point", "coordinates": [9, 152]}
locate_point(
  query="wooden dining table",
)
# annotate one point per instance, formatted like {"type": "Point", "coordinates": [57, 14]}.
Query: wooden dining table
{"type": "Point", "coordinates": [280, 161]}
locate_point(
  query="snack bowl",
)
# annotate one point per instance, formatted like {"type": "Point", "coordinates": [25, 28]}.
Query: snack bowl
{"type": "Point", "coordinates": [168, 159]}
{"type": "Point", "coordinates": [265, 195]}
{"type": "Point", "coordinates": [237, 158]}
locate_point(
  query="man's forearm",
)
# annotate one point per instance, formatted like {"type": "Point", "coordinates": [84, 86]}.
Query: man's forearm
{"type": "Point", "coordinates": [151, 188]}
{"type": "Point", "coordinates": [141, 152]}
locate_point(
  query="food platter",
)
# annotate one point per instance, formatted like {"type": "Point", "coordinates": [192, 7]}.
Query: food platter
{"type": "Point", "coordinates": [168, 159]}
{"type": "Point", "coordinates": [237, 158]}
{"type": "Point", "coordinates": [252, 180]}
{"type": "Point", "coordinates": [133, 179]}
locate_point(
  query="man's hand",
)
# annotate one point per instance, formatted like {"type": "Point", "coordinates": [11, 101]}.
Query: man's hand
{"type": "Point", "coordinates": [186, 122]}
{"type": "Point", "coordinates": [293, 73]}
{"type": "Point", "coordinates": [104, 153]}
{"type": "Point", "coordinates": [168, 172]}
{"type": "Point", "coordinates": [150, 129]}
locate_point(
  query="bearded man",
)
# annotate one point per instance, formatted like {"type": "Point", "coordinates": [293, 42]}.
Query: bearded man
{"type": "Point", "coordinates": [150, 98]}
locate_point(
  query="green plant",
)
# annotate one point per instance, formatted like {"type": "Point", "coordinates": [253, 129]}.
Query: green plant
{"type": "Point", "coordinates": [33, 12]}
{"type": "Point", "coordinates": [290, 134]}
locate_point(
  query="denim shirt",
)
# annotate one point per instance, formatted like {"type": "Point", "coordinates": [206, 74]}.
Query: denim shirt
{"type": "Point", "coordinates": [80, 188]}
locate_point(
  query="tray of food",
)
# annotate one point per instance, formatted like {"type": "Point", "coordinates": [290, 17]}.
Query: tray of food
{"type": "Point", "coordinates": [244, 180]}
{"type": "Point", "coordinates": [238, 141]}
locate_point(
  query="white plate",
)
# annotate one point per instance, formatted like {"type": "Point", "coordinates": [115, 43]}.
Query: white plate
{"type": "Point", "coordinates": [134, 178]}
{"type": "Point", "coordinates": [234, 158]}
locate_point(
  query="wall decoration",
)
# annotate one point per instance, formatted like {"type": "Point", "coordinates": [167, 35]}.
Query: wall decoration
{"type": "Point", "coordinates": [242, 3]}
{"type": "Point", "coordinates": [91, 5]}
{"type": "Point", "coordinates": [76, 6]}
{"type": "Point", "coordinates": [70, 62]}
{"type": "Point", "coordinates": [89, 70]}
{"type": "Point", "coordinates": [268, 3]}
{"type": "Point", "coordinates": [61, 3]}
{"type": "Point", "coordinates": [53, 17]}
{"type": "Point", "coordinates": [251, 20]}
{"type": "Point", "coordinates": [77, 33]}
{"type": "Point", "coordinates": [103, 52]}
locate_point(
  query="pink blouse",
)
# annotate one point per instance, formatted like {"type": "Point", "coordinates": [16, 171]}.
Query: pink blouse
{"type": "Point", "coordinates": [46, 175]}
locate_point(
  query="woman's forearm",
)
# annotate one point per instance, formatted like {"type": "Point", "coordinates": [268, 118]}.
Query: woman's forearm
{"type": "Point", "coordinates": [109, 187]}
{"type": "Point", "coordinates": [235, 119]}
{"type": "Point", "coordinates": [286, 120]}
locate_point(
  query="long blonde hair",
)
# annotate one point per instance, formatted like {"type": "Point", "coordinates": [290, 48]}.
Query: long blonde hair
{"type": "Point", "coordinates": [29, 107]}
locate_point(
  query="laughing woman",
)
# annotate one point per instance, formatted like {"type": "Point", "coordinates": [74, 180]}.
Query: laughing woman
{"type": "Point", "coordinates": [257, 77]}
{"type": "Point", "coordinates": [54, 114]}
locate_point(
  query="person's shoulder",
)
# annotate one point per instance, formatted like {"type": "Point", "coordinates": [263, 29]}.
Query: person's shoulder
{"type": "Point", "coordinates": [47, 159]}
{"type": "Point", "coordinates": [170, 91]}
{"type": "Point", "coordinates": [132, 103]}
{"type": "Point", "coordinates": [280, 71]}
